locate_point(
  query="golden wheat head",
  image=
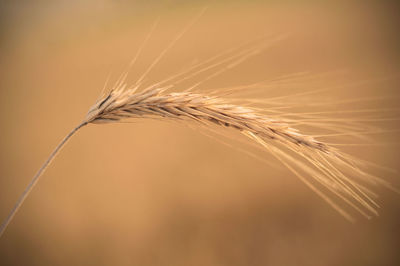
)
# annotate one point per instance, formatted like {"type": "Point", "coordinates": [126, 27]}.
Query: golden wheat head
{"type": "Point", "coordinates": [316, 163]}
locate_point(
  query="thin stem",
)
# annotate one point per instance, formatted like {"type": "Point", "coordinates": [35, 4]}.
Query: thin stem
{"type": "Point", "coordinates": [35, 179]}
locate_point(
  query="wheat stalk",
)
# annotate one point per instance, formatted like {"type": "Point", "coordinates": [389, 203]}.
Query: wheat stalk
{"type": "Point", "coordinates": [35, 179]}
{"type": "Point", "coordinates": [307, 157]}
{"type": "Point", "coordinates": [121, 103]}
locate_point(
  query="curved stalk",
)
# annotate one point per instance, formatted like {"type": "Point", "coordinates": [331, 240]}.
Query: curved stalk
{"type": "Point", "coordinates": [35, 179]}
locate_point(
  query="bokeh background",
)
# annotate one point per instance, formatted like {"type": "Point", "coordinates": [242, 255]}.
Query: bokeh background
{"type": "Point", "coordinates": [156, 193]}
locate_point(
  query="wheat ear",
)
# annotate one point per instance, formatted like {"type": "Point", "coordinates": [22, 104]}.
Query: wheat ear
{"type": "Point", "coordinates": [313, 158]}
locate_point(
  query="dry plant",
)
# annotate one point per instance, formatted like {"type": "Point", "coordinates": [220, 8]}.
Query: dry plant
{"type": "Point", "coordinates": [313, 161]}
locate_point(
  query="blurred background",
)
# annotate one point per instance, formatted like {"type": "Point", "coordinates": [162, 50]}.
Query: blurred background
{"type": "Point", "coordinates": [156, 193]}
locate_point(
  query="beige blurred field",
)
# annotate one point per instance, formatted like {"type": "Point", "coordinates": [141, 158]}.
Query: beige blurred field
{"type": "Point", "coordinates": [157, 193]}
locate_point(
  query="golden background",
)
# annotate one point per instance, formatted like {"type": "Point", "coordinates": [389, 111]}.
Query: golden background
{"type": "Point", "coordinates": [157, 193]}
